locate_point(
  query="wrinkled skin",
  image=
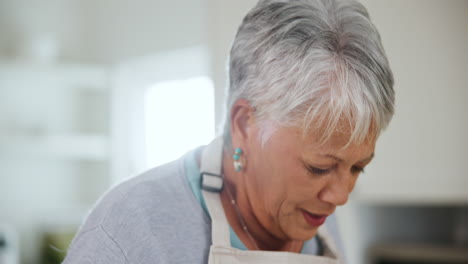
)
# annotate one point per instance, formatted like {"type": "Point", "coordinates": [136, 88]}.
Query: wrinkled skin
{"type": "Point", "coordinates": [290, 174]}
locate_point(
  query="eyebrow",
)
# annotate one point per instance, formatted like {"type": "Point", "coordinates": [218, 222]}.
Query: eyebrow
{"type": "Point", "coordinates": [341, 160]}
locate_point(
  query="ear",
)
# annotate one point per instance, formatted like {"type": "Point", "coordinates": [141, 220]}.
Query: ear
{"type": "Point", "coordinates": [242, 123]}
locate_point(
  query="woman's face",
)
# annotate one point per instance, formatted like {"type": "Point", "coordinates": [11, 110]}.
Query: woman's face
{"type": "Point", "coordinates": [292, 180]}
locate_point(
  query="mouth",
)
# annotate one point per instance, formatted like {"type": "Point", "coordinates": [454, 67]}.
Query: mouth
{"type": "Point", "coordinates": [314, 219]}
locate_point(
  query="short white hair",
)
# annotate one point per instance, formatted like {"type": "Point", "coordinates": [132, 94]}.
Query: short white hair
{"type": "Point", "coordinates": [311, 64]}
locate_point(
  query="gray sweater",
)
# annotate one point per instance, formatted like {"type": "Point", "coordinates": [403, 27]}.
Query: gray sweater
{"type": "Point", "coordinates": [151, 218]}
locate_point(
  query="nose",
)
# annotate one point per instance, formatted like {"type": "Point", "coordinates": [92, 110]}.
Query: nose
{"type": "Point", "coordinates": [337, 191]}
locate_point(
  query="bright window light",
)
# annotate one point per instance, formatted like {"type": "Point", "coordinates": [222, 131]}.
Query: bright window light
{"type": "Point", "coordinates": [179, 116]}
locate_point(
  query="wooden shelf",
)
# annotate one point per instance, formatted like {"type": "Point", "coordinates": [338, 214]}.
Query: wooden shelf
{"type": "Point", "coordinates": [420, 253]}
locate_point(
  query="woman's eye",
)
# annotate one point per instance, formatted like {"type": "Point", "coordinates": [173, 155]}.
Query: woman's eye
{"type": "Point", "coordinates": [318, 171]}
{"type": "Point", "coordinates": [356, 169]}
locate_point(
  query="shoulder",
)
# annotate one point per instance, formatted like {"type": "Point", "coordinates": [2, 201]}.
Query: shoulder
{"type": "Point", "coordinates": [145, 216]}
{"type": "Point", "coordinates": [145, 194]}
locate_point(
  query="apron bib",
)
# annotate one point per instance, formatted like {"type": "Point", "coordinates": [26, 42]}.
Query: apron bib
{"type": "Point", "coordinates": [221, 251]}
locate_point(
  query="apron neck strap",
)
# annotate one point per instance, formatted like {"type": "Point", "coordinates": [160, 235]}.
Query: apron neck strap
{"type": "Point", "coordinates": [212, 184]}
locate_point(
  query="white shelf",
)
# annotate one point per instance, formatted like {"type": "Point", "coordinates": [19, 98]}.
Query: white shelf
{"type": "Point", "coordinates": [61, 75]}
{"type": "Point", "coordinates": [73, 146]}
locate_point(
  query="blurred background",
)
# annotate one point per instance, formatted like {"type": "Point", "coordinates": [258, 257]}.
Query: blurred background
{"type": "Point", "coordinates": [93, 92]}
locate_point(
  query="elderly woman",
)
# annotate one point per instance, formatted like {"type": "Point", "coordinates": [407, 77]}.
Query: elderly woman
{"type": "Point", "coordinates": [310, 90]}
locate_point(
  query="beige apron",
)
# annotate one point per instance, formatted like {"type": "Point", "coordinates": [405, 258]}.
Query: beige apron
{"type": "Point", "coordinates": [221, 250]}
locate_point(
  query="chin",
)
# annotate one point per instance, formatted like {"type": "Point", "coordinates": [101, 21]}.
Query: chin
{"type": "Point", "coordinates": [302, 234]}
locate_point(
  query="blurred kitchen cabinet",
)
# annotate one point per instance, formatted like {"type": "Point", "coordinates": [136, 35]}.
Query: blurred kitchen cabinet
{"type": "Point", "coordinates": [54, 134]}
{"type": "Point", "coordinates": [54, 146]}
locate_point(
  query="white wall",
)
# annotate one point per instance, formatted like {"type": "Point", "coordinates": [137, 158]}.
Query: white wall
{"type": "Point", "coordinates": [422, 156]}
{"type": "Point", "coordinates": [122, 29]}
{"type": "Point", "coordinates": [101, 31]}
{"type": "Point", "coordinates": [224, 17]}
{"type": "Point", "coordinates": [24, 22]}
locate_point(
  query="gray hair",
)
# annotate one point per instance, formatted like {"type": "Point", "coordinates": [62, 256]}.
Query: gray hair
{"type": "Point", "coordinates": [312, 64]}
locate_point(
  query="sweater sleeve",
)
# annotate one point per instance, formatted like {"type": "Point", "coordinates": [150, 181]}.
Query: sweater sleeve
{"type": "Point", "coordinates": [95, 246]}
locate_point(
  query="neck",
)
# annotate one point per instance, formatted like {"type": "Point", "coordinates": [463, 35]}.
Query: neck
{"type": "Point", "coordinates": [257, 236]}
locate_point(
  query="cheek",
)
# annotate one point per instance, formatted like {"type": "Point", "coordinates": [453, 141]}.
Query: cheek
{"type": "Point", "coordinates": [263, 178]}
{"type": "Point", "coordinates": [305, 188]}
{"type": "Point", "coordinates": [273, 183]}
{"type": "Point", "coordinates": [298, 188]}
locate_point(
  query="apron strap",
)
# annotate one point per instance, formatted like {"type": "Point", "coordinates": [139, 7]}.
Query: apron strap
{"type": "Point", "coordinates": [329, 247]}
{"type": "Point", "coordinates": [212, 184]}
